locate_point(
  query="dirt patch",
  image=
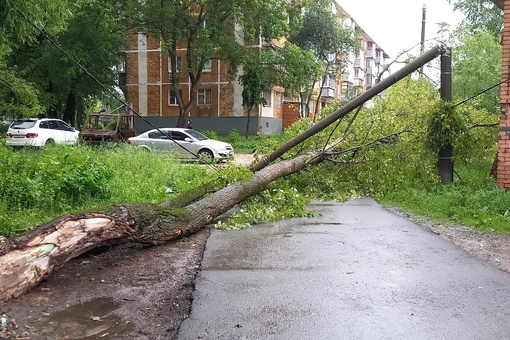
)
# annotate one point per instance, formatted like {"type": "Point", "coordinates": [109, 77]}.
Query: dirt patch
{"type": "Point", "coordinates": [124, 292]}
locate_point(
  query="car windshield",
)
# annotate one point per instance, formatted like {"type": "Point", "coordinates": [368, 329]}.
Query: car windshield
{"type": "Point", "coordinates": [23, 124]}
{"type": "Point", "coordinates": [196, 134]}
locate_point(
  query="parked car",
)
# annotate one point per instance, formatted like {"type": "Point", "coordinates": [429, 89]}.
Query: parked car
{"type": "Point", "coordinates": [187, 143]}
{"type": "Point", "coordinates": [39, 132]}
{"type": "Point", "coordinates": [103, 127]}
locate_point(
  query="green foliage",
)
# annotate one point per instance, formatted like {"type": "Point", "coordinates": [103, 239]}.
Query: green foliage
{"type": "Point", "coordinates": [39, 184]}
{"type": "Point", "coordinates": [278, 202]}
{"type": "Point", "coordinates": [331, 43]}
{"type": "Point", "coordinates": [446, 126]}
{"type": "Point", "coordinates": [260, 143]}
{"type": "Point", "coordinates": [38, 76]}
{"type": "Point", "coordinates": [479, 15]}
{"type": "Point", "coordinates": [476, 63]}
{"type": "Point", "coordinates": [472, 200]}
{"type": "Point", "coordinates": [301, 70]}
{"type": "Point", "coordinates": [53, 177]}
{"type": "Point", "coordinates": [16, 16]}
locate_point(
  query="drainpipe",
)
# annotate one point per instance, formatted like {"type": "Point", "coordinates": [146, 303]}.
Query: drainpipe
{"type": "Point", "coordinates": [160, 83]}
{"type": "Point", "coordinates": [219, 86]}
{"type": "Point", "coordinates": [445, 154]}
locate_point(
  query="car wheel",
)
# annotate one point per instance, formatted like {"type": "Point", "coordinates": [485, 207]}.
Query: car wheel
{"type": "Point", "coordinates": [49, 142]}
{"type": "Point", "coordinates": [205, 156]}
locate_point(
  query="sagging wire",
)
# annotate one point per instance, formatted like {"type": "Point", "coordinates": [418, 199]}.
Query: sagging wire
{"type": "Point", "coordinates": [479, 94]}
{"type": "Point", "coordinates": [109, 90]}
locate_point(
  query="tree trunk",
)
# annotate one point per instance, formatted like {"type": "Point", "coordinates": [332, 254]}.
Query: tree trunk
{"type": "Point", "coordinates": [70, 109]}
{"type": "Point", "coordinates": [26, 260]}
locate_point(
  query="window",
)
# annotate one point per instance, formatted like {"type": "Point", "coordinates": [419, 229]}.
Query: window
{"type": "Point", "coordinates": [268, 95]}
{"type": "Point", "coordinates": [63, 126]}
{"type": "Point", "coordinates": [160, 135]}
{"type": "Point", "coordinates": [172, 97]}
{"type": "Point", "coordinates": [176, 135]}
{"type": "Point", "coordinates": [207, 65]}
{"type": "Point", "coordinates": [178, 64]}
{"type": "Point", "coordinates": [53, 124]}
{"type": "Point", "coordinates": [204, 96]}
{"type": "Point", "coordinates": [122, 63]}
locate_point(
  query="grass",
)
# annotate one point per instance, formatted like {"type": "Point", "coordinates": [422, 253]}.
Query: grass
{"type": "Point", "coordinates": [241, 144]}
{"type": "Point", "coordinates": [37, 185]}
{"type": "Point", "coordinates": [473, 199]}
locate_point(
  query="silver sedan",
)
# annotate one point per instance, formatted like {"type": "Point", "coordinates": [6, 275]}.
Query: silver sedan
{"type": "Point", "coordinates": [187, 143]}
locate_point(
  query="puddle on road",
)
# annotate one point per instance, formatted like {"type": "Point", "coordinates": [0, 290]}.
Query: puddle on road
{"type": "Point", "coordinates": [93, 319]}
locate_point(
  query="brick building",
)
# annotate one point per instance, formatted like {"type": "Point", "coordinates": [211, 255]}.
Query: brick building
{"type": "Point", "coordinates": [146, 83]}
{"type": "Point", "coordinates": [503, 156]}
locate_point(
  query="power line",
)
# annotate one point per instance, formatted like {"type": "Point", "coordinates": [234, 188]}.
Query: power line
{"type": "Point", "coordinates": [478, 94]}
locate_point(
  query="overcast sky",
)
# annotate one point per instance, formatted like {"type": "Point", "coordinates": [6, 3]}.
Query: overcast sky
{"type": "Point", "coordinates": [395, 25]}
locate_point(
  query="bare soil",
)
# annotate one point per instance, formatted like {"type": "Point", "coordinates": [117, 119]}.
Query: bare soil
{"type": "Point", "coordinates": [135, 292]}
{"type": "Point", "coordinates": [124, 292]}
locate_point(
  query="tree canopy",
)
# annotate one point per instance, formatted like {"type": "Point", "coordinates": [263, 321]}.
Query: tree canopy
{"type": "Point", "coordinates": [323, 34]}
{"type": "Point", "coordinates": [52, 67]}
{"type": "Point", "coordinates": [480, 15]}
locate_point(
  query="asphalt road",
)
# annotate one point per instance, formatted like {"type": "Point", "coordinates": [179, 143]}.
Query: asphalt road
{"type": "Point", "coordinates": [358, 271]}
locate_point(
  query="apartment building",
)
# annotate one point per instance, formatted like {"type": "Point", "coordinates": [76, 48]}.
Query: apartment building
{"type": "Point", "coordinates": [365, 65]}
{"type": "Point", "coordinates": [146, 83]}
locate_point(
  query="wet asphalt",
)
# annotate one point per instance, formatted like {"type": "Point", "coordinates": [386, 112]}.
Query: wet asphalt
{"type": "Point", "coordinates": [357, 271]}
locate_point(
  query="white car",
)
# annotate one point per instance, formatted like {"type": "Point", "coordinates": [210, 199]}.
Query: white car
{"type": "Point", "coordinates": [39, 132]}
{"type": "Point", "coordinates": [187, 143]}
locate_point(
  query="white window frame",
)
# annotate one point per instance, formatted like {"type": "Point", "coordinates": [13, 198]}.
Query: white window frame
{"type": "Point", "coordinates": [178, 66]}
{"type": "Point", "coordinates": [172, 100]}
{"type": "Point", "coordinates": [207, 65]}
{"type": "Point", "coordinates": [204, 97]}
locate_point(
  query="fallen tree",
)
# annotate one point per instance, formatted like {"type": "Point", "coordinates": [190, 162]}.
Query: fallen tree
{"type": "Point", "coordinates": [26, 260]}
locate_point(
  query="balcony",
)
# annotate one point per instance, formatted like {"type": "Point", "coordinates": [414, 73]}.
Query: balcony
{"type": "Point", "coordinates": [345, 77]}
{"type": "Point", "coordinates": [370, 54]}
{"type": "Point", "coordinates": [370, 71]}
{"type": "Point", "coordinates": [357, 63]}
{"type": "Point", "coordinates": [358, 82]}
{"type": "Point", "coordinates": [328, 92]}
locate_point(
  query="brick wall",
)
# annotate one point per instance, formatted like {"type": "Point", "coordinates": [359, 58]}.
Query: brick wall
{"type": "Point", "coordinates": [503, 156]}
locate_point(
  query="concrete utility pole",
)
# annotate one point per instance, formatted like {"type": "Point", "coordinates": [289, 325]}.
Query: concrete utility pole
{"type": "Point", "coordinates": [445, 154]}
{"type": "Point", "coordinates": [422, 49]}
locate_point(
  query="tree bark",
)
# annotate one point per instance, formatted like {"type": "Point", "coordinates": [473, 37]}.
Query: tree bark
{"type": "Point", "coordinates": [26, 260]}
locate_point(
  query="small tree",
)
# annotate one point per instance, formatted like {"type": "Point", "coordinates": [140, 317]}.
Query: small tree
{"type": "Point", "coordinates": [254, 84]}
{"type": "Point", "coordinates": [324, 35]}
